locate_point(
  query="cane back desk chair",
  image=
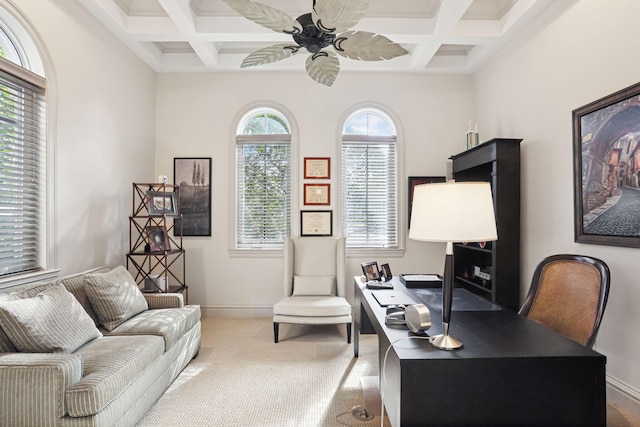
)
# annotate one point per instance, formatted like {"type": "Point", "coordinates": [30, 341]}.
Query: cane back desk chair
{"type": "Point", "coordinates": [568, 294]}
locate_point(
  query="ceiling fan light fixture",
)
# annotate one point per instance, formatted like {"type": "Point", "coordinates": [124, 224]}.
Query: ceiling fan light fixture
{"type": "Point", "coordinates": [316, 31]}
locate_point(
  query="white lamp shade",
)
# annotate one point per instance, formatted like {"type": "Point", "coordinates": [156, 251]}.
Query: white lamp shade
{"type": "Point", "coordinates": [453, 212]}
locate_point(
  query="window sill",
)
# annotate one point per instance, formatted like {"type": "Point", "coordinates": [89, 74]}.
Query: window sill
{"type": "Point", "coordinates": [23, 279]}
{"type": "Point", "coordinates": [255, 253]}
{"type": "Point", "coordinates": [375, 252]}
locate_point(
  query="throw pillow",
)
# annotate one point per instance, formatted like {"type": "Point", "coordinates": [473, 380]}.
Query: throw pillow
{"type": "Point", "coordinates": [114, 296]}
{"type": "Point", "coordinates": [52, 321]}
{"type": "Point", "coordinates": [313, 285]}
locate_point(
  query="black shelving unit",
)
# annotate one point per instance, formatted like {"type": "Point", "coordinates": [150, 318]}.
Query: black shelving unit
{"type": "Point", "coordinates": [492, 269]}
{"type": "Point", "coordinates": [143, 260]}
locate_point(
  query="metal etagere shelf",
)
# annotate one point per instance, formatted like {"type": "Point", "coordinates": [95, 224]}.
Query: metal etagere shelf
{"type": "Point", "coordinates": [156, 258]}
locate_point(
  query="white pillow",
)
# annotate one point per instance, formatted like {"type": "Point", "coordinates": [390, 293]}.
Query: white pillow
{"type": "Point", "coordinates": [114, 296]}
{"type": "Point", "coordinates": [52, 321]}
{"type": "Point", "coordinates": [313, 285]}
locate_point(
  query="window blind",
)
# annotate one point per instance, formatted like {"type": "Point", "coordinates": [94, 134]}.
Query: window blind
{"type": "Point", "coordinates": [22, 142]}
{"type": "Point", "coordinates": [369, 215]}
{"type": "Point", "coordinates": [263, 191]}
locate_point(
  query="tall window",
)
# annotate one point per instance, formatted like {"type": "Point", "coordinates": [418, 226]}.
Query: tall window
{"type": "Point", "coordinates": [369, 181]}
{"type": "Point", "coordinates": [22, 162]}
{"type": "Point", "coordinates": [263, 182]}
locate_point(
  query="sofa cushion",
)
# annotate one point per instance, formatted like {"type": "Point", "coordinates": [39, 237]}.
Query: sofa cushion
{"type": "Point", "coordinates": [51, 321]}
{"type": "Point", "coordinates": [171, 323]}
{"type": "Point", "coordinates": [312, 306]}
{"type": "Point", "coordinates": [115, 296]}
{"type": "Point", "coordinates": [109, 365]}
{"type": "Point", "coordinates": [314, 285]}
{"type": "Point", "coordinates": [75, 284]}
{"type": "Point", "coordinates": [6, 346]}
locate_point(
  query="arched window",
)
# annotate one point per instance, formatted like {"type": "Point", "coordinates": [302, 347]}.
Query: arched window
{"type": "Point", "coordinates": [369, 180]}
{"type": "Point", "coordinates": [23, 172]}
{"type": "Point", "coordinates": [263, 179]}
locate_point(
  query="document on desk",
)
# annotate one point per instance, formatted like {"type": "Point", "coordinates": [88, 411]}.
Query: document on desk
{"type": "Point", "coordinates": [389, 297]}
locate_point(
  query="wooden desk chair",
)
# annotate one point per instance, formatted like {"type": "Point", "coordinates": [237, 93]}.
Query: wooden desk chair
{"type": "Point", "coordinates": [568, 294]}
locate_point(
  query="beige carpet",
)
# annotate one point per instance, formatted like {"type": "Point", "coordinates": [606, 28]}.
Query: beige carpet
{"type": "Point", "coordinates": [242, 379]}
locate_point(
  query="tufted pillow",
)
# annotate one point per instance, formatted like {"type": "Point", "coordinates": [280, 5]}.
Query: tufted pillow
{"type": "Point", "coordinates": [51, 321]}
{"type": "Point", "coordinates": [114, 296]}
{"type": "Point", "coordinates": [313, 285]}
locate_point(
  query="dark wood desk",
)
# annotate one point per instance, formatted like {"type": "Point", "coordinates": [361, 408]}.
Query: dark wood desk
{"type": "Point", "coordinates": [511, 371]}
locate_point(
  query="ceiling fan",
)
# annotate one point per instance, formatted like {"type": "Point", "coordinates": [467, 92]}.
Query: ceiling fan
{"type": "Point", "coordinates": [326, 26]}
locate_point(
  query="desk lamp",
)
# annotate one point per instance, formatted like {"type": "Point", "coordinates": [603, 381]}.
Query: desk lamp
{"type": "Point", "coordinates": [452, 212]}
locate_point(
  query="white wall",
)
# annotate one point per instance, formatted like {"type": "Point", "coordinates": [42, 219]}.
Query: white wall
{"type": "Point", "coordinates": [197, 115]}
{"type": "Point", "coordinates": [104, 131]}
{"type": "Point", "coordinates": [578, 52]}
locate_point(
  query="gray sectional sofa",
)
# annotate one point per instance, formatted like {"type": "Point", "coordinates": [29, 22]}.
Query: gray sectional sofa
{"type": "Point", "coordinates": [90, 349]}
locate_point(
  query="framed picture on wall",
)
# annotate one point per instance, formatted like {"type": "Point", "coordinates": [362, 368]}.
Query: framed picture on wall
{"type": "Point", "coordinates": [317, 168]}
{"type": "Point", "coordinates": [606, 152]}
{"type": "Point", "coordinates": [316, 223]}
{"type": "Point", "coordinates": [317, 194]}
{"type": "Point", "coordinates": [193, 176]}
{"type": "Point", "coordinates": [418, 180]}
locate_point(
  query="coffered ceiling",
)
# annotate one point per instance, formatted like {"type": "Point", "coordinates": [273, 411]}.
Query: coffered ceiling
{"type": "Point", "coordinates": [442, 36]}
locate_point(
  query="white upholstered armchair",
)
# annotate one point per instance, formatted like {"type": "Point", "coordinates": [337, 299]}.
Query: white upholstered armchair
{"type": "Point", "coordinates": [314, 284]}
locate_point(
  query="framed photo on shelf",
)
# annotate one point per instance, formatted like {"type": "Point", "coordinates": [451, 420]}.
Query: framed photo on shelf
{"type": "Point", "coordinates": [158, 239]}
{"type": "Point", "coordinates": [317, 194]}
{"type": "Point", "coordinates": [162, 203]}
{"type": "Point", "coordinates": [419, 180]}
{"type": "Point", "coordinates": [193, 176]}
{"type": "Point", "coordinates": [317, 167]}
{"type": "Point", "coordinates": [316, 223]}
{"type": "Point", "coordinates": [606, 169]}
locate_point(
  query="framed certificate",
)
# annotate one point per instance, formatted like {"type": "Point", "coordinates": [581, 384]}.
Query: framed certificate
{"type": "Point", "coordinates": [317, 194]}
{"type": "Point", "coordinates": [316, 223]}
{"type": "Point", "coordinates": [317, 167]}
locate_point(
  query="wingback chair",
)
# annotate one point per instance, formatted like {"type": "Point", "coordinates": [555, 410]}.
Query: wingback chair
{"type": "Point", "coordinates": [314, 284]}
{"type": "Point", "coordinates": [568, 294]}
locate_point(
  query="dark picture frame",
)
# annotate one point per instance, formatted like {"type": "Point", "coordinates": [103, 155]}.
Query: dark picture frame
{"type": "Point", "coordinates": [419, 180]}
{"type": "Point", "coordinates": [161, 203]}
{"type": "Point", "coordinates": [371, 271]}
{"type": "Point", "coordinates": [157, 238]}
{"type": "Point", "coordinates": [385, 271]}
{"type": "Point", "coordinates": [316, 223]}
{"type": "Point", "coordinates": [606, 169]}
{"type": "Point", "coordinates": [193, 176]}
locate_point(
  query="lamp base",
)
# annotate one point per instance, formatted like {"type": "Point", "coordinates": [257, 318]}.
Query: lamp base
{"type": "Point", "coordinates": [445, 342]}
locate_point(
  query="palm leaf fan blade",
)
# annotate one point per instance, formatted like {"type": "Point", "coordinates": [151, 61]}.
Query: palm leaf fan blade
{"type": "Point", "coordinates": [269, 54]}
{"type": "Point", "coordinates": [323, 67]}
{"type": "Point", "coordinates": [366, 46]}
{"type": "Point", "coordinates": [334, 16]}
{"type": "Point", "coordinates": [266, 16]}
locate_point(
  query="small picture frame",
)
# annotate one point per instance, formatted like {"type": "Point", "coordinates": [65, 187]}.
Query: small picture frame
{"type": "Point", "coordinates": [385, 271]}
{"type": "Point", "coordinates": [371, 271]}
{"type": "Point", "coordinates": [317, 168]}
{"type": "Point", "coordinates": [317, 194]}
{"type": "Point", "coordinates": [316, 223]}
{"type": "Point", "coordinates": [161, 203]}
{"type": "Point", "coordinates": [158, 238]}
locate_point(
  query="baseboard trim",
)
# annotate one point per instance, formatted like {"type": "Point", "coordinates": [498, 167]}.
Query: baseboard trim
{"type": "Point", "coordinates": [623, 395]}
{"type": "Point", "coordinates": [236, 310]}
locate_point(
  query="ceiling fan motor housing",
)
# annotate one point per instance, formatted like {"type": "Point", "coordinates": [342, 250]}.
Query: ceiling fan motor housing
{"type": "Point", "coordinates": [312, 38]}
